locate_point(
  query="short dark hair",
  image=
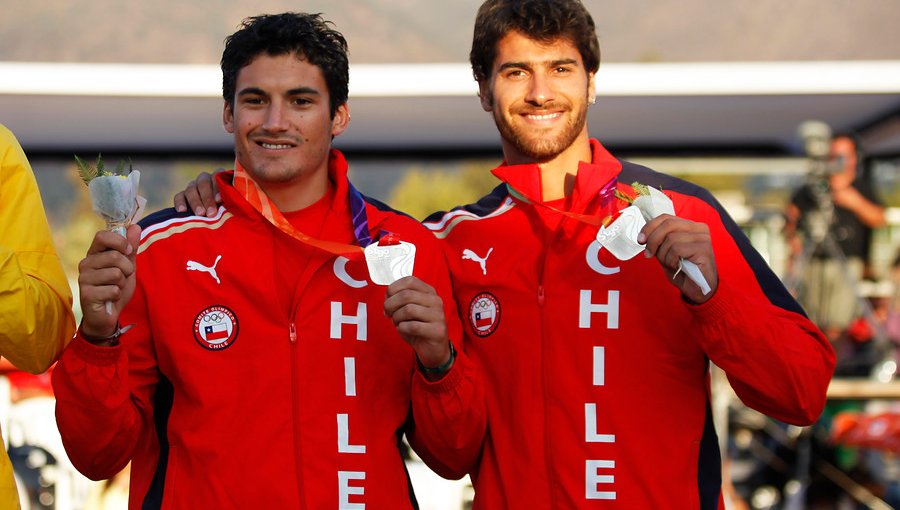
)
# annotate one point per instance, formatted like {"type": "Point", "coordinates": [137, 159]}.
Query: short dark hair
{"type": "Point", "coordinates": [542, 20]}
{"type": "Point", "coordinates": [308, 35]}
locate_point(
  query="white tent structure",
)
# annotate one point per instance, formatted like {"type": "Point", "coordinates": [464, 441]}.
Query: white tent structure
{"type": "Point", "coordinates": [423, 107]}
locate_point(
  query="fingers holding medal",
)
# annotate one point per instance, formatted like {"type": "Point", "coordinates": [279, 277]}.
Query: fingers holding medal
{"type": "Point", "coordinates": [415, 308]}
{"type": "Point", "coordinates": [683, 247]}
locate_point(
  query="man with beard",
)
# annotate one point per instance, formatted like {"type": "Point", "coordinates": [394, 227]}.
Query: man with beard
{"type": "Point", "coordinates": [596, 368]}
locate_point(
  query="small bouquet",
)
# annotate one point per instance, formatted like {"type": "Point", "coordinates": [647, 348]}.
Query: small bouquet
{"type": "Point", "coordinates": [620, 237]}
{"type": "Point", "coordinates": [114, 195]}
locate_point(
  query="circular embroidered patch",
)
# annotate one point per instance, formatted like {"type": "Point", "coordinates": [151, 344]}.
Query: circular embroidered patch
{"type": "Point", "coordinates": [215, 328]}
{"type": "Point", "coordinates": [484, 314]}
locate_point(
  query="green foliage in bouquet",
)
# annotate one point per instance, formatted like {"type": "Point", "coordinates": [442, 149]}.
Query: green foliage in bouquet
{"type": "Point", "coordinates": [87, 172]}
{"type": "Point", "coordinates": [639, 190]}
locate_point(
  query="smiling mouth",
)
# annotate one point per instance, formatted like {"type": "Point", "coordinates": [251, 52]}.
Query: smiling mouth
{"type": "Point", "coordinates": [545, 116]}
{"type": "Point", "coordinates": [274, 146]}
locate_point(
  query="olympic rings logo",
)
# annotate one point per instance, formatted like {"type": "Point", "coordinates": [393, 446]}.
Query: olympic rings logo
{"type": "Point", "coordinates": [483, 304]}
{"type": "Point", "coordinates": [214, 317]}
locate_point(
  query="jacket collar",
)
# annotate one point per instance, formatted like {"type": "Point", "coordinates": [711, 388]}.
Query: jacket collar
{"type": "Point", "coordinates": [337, 174]}
{"type": "Point", "coordinates": [589, 180]}
{"type": "Point", "coordinates": [340, 204]}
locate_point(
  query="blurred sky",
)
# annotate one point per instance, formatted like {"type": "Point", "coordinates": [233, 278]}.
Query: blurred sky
{"type": "Point", "coordinates": [380, 31]}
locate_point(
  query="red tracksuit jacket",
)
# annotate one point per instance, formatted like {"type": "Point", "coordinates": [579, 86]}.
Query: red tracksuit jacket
{"type": "Point", "coordinates": [262, 373]}
{"type": "Point", "coordinates": [596, 370]}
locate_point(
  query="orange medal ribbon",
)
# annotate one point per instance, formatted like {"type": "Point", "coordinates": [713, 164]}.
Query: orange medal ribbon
{"type": "Point", "coordinates": [250, 190]}
{"type": "Point", "coordinates": [607, 201]}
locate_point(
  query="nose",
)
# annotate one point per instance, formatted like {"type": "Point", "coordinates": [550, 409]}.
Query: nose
{"type": "Point", "coordinates": [539, 91]}
{"type": "Point", "coordinates": [275, 120]}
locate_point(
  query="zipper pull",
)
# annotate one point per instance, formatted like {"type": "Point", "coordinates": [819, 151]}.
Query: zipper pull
{"type": "Point", "coordinates": [540, 295]}
{"type": "Point", "coordinates": [293, 333]}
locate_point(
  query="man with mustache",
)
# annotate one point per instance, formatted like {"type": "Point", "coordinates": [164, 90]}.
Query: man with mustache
{"type": "Point", "coordinates": [266, 367]}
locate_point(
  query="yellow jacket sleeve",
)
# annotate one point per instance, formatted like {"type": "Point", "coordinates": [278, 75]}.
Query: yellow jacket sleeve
{"type": "Point", "coordinates": [36, 320]}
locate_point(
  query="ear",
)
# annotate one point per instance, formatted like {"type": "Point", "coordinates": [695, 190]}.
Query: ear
{"type": "Point", "coordinates": [341, 120]}
{"type": "Point", "coordinates": [484, 93]}
{"type": "Point", "coordinates": [228, 118]}
{"type": "Point", "coordinates": [592, 88]}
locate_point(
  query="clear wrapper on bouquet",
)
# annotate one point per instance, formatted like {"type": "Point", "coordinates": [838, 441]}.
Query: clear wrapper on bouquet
{"type": "Point", "coordinates": [114, 195]}
{"type": "Point", "coordinates": [115, 198]}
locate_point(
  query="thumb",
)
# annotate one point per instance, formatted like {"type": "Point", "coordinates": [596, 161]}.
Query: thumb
{"type": "Point", "coordinates": [133, 235]}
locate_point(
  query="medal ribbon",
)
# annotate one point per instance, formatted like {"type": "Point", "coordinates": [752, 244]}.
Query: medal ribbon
{"type": "Point", "coordinates": [250, 190]}
{"type": "Point", "coordinates": [607, 199]}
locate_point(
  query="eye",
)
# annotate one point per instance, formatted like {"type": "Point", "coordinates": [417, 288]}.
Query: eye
{"type": "Point", "coordinates": [515, 73]}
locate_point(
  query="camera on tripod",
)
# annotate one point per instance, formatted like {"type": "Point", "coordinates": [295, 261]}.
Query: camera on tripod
{"type": "Point", "coordinates": [816, 136]}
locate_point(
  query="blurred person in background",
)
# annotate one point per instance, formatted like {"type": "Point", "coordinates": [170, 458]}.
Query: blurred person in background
{"type": "Point", "coordinates": [828, 228]}
{"type": "Point", "coordinates": [829, 224]}
{"type": "Point", "coordinates": [36, 320]}
{"type": "Point", "coordinates": [265, 367]}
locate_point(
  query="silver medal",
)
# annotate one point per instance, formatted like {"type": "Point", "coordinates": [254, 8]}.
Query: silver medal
{"type": "Point", "coordinates": [388, 263]}
{"type": "Point", "coordinates": [620, 236]}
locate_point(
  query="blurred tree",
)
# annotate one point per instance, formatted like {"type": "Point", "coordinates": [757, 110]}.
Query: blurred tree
{"type": "Point", "coordinates": [423, 191]}
{"type": "Point", "coordinates": [74, 237]}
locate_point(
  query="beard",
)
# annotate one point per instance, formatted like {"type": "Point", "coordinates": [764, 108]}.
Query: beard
{"type": "Point", "coordinates": [534, 144]}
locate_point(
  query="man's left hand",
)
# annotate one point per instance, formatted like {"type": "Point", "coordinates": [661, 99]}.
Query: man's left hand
{"type": "Point", "coordinates": [418, 314]}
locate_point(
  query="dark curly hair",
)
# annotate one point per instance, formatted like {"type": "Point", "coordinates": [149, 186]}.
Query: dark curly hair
{"type": "Point", "coordinates": [542, 20]}
{"type": "Point", "coordinates": [307, 35]}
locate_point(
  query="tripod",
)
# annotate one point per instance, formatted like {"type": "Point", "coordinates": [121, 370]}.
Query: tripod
{"type": "Point", "coordinates": [819, 243]}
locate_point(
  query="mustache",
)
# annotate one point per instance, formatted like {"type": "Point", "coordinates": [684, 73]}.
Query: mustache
{"type": "Point", "coordinates": [549, 107]}
{"type": "Point", "coordinates": [265, 136]}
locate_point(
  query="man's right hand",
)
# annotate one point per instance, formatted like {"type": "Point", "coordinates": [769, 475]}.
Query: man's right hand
{"type": "Point", "coordinates": [201, 195]}
{"type": "Point", "coordinates": [107, 274]}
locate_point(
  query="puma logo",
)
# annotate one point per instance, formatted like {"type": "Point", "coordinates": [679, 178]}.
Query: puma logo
{"type": "Point", "coordinates": [196, 266]}
{"type": "Point", "coordinates": [470, 255]}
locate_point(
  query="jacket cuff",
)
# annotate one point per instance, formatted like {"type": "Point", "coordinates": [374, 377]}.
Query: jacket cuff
{"type": "Point", "coordinates": [95, 354]}
{"type": "Point", "coordinates": [719, 307]}
{"type": "Point", "coordinates": [450, 381]}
